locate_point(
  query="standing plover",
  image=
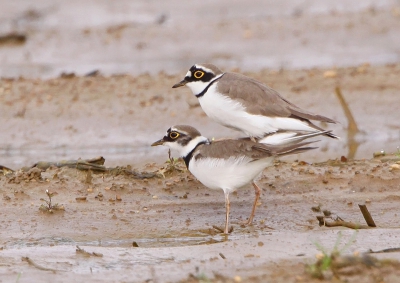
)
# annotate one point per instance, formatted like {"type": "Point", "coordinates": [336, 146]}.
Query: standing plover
{"type": "Point", "coordinates": [226, 164]}
{"type": "Point", "coordinates": [247, 105]}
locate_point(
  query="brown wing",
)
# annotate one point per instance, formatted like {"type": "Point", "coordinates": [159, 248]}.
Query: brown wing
{"type": "Point", "coordinates": [245, 147]}
{"type": "Point", "coordinates": [260, 99]}
{"type": "Point", "coordinates": [227, 148]}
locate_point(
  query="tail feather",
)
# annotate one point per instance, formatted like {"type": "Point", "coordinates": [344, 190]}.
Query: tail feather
{"type": "Point", "coordinates": [296, 151]}
{"type": "Point", "coordinates": [294, 148]}
{"type": "Point", "coordinates": [291, 138]}
{"type": "Point", "coordinates": [282, 150]}
{"type": "Point", "coordinates": [329, 134]}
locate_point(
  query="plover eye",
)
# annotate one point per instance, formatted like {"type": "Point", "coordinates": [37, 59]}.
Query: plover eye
{"type": "Point", "coordinates": [198, 74]}
{"type": "Point", "coordinates": [174, 135]}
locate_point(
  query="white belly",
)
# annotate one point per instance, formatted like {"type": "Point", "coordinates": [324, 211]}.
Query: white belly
{"type": "Point", "coordinates": [233, 115]}
{"type": "Point", "coordinates": [227, 174]}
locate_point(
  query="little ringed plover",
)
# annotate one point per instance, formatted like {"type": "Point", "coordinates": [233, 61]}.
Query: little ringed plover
{"type": "Point", "coordinates": [247, 105]}
{"type": "Point", "coordinates": [227, 164]}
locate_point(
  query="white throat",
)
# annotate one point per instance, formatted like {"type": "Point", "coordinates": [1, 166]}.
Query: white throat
{"type": "Point", "coordinates": [185, 150]}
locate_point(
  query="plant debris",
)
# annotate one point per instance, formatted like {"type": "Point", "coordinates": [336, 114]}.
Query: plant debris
{"type": "Point", "coordinates": [49, 207]}
{"type": "Point", "coordinates": [85, 253]}
{"type": "Point", "coordinates": [31, 262]}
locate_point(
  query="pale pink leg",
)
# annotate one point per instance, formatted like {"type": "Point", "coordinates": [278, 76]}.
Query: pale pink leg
{"type": "Point", "coordinates": [227, 207]}
{"type": "Point", "coordinates": [258, 193]}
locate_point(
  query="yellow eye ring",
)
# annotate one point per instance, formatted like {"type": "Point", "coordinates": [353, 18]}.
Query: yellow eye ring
{"type": "Point", "coordinates": [173, 135]}
{"type": "Point", "coordinates": [198, 74]}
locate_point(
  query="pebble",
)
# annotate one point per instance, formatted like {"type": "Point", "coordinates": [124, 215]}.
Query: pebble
{"type": "Point", "coordinates": [395, 166]}
{"type": "Point", "coordinates": [330, 74]}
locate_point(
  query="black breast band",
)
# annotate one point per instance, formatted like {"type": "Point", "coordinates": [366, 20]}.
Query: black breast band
{"type": "Point", "coordinates": [210, 84]}
{"type": "Point", "coordinates": [190, 154]}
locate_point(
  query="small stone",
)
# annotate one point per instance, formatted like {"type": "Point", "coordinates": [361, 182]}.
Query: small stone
{"type": "Point", "coordinates": [237, 279]}
{"type": "Point", "coordinates": [330, 74]}
{"type": "Point", "coordinates": [90, 190]}
{"type": "Point", "coordinates": [80, 198]}
{"type": "Point", "coordinates": [367, 201]}
{"type": "Point", "coordinates": [379, 153]}
{"type": "Point", "coordinates": [118, 198]}
{"type": "Point", "coordinates": [395, 166]}
{"type": "Point", "coordinates": [155, 197]}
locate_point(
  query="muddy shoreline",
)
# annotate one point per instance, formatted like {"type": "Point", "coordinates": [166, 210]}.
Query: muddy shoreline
{"type": "Point", "coordinates": [120, 116]}
{"type": "Point", "coordinates": [160, 229]}
{"type": "Point", "coordinates": [83, 79]}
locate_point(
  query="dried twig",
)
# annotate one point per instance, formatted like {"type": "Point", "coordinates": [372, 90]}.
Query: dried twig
{"type": "Point", "coordinates": [31, 262]}
{"type": "Point", "coordinates": [350, 118]}
{"type": "Point", "coordinates": [5, 169]}
{"type": "Point", "coordinates": [322, 222]}
{"type": "Point", "coordinates": [390, 250]}
{"type": "Point", "coordinates": [82, 251]}
{"type": "Point", "coordinates": [95, 164]}
{"type": "Point", "coordinates": [352, 128]}
{"type": "Point", "coordinates": [218, 229]}
{"type": "Point", "coordinates": [367, 215]}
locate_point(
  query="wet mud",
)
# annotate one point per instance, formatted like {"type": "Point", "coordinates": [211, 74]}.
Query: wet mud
{"type": "Point", "coordinates": [161, 228]}
{"type": "Point", "coordinates": [120, 116]}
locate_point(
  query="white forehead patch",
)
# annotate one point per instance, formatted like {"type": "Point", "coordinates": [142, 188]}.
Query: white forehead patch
{"type": "Point", "coordinates": [177, 130]}
{"type": "Point", "coordinates": [189, 74]}
{"type": "Point", "coordinates": [207, 70]}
